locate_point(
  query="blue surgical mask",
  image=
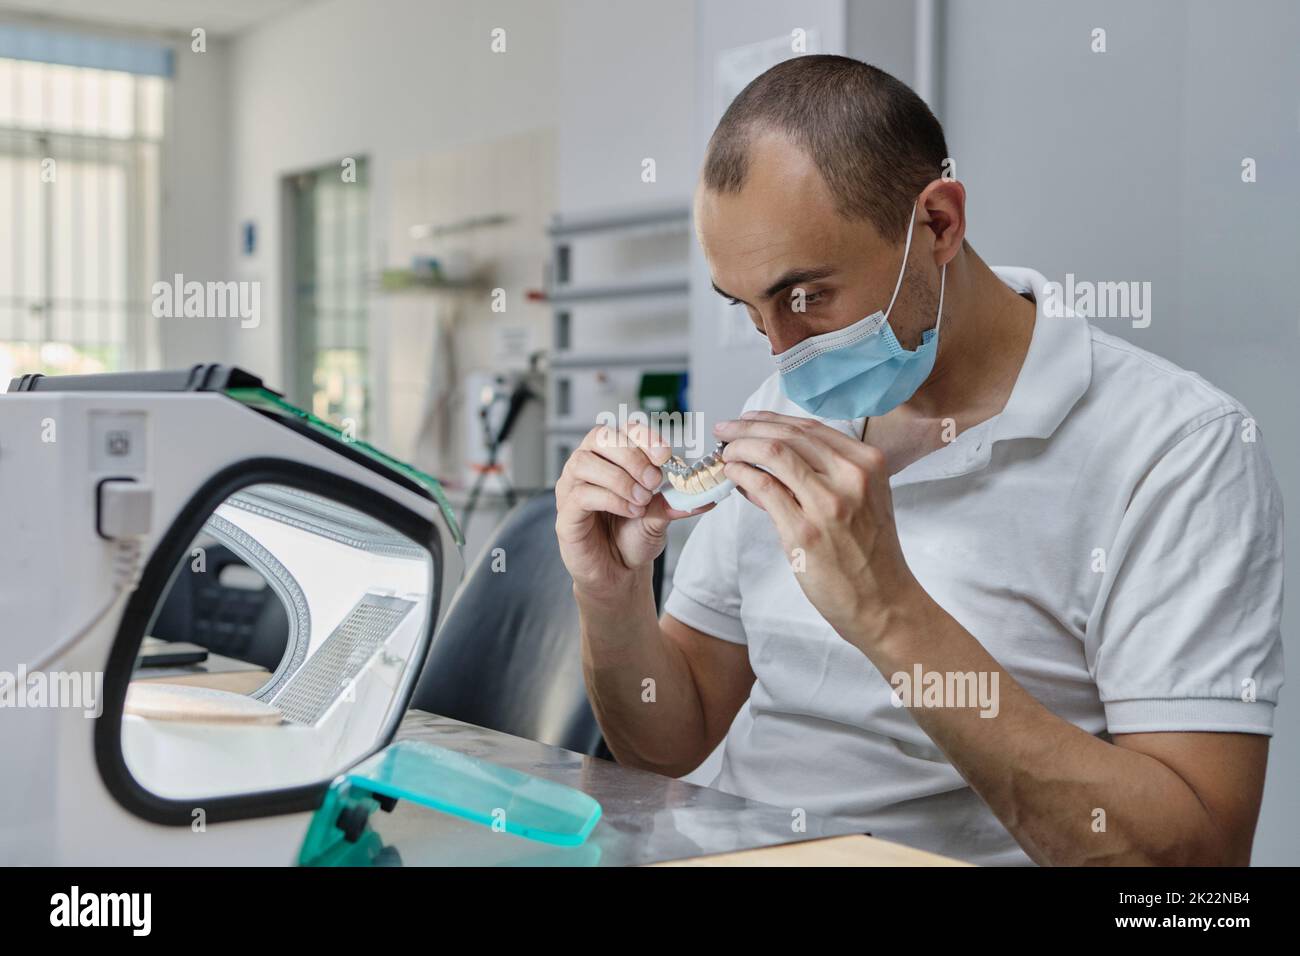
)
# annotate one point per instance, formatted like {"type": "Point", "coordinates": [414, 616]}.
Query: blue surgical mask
{"type": "Point", "coordinates": [860, 371]}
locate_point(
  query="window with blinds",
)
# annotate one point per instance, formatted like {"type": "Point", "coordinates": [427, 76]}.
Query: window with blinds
{"type": "Point", "coordinates": [80, 190]}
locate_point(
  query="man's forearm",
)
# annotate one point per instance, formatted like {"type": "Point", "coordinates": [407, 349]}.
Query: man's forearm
{"type": "Point", "coordinates": [1042, 776]}
{"type": "Point", "coordinates": [640, 685]}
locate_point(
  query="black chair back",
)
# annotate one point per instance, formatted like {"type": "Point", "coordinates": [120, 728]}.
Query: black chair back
{"type": "Point", "coordinates": [508, 655]}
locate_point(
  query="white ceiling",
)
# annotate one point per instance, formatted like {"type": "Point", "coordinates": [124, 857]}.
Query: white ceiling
{"type": "Point", "coordinates": [218, 17]}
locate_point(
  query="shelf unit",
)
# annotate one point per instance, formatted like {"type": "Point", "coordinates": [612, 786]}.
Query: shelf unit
{"type": "Point", "coordinates": [619, 291]}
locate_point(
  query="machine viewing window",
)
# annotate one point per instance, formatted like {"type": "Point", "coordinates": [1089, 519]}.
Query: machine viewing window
{"type": "Point", "coordinates": [274, 654]}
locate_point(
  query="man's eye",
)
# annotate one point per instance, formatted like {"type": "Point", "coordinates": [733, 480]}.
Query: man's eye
{"type": "Point", "coordinates": [807, 298]}
{"type": "Point", "coordinates": [731, 301]}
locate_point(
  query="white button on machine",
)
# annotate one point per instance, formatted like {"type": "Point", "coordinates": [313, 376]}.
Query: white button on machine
{"type": "Point", "coordinates": [119, 443]}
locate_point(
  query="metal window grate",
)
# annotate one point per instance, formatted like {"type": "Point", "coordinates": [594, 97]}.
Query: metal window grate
{"type": "Point", "coordinates": [80, 193]}
{"type": "Point", "coordinates": [338, 661]}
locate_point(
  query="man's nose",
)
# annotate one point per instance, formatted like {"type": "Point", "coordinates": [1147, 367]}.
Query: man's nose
{"type": "Point", "coordinates": [782, 338]}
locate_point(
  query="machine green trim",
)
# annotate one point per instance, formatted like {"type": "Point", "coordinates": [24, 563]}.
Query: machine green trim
{"type": "Point", "coordinates": [497, 797]}
{"type": "Point", "coordinates": [263, 399]}
{"type": "Point", "coordinates": [340, 832]}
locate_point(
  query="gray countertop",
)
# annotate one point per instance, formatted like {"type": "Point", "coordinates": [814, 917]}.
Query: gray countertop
{"type": "Point", "coordinates": [647, 818]}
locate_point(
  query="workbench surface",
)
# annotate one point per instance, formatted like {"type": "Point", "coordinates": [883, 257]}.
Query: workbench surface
{"type": "Point", "coordinates": [647, 818]}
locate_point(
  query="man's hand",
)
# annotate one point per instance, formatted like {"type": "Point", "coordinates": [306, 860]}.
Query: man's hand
{"type": "Point", "coordinates": [610, 522]}
{"type": "Point", "coordinates": [828, 496]}
{"type": "Point", "coordinates": [611, 525]}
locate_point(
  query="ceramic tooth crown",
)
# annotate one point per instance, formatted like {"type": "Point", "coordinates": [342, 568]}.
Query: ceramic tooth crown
{"type": "Point", "coordinates": [698, 476]}
{"type": "Point", "coordinates": [691, 486]}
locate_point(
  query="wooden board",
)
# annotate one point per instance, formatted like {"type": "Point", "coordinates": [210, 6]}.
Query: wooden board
{"type": "Point", "coordinates": [161, 701]}
{"type": "Point", "coordinates": [833, 851]}
{"type": "Point", "coordinates": [238, 682]}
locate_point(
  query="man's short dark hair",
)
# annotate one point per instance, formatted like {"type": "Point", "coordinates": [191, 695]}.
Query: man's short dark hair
{"type": "Point", "coordinates": [873, 139]}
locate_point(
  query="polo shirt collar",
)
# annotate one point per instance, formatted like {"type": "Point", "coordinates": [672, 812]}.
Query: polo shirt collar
{"type": "Point", "coordinates": [1053, 377]}
{"type": "Point", "coordinates": [1057, 369]}
{"type": "Point", "coordinates": [1055, 374]}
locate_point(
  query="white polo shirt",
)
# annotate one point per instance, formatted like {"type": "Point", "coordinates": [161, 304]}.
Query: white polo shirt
{"type": "Point", "coordinates": [1113, 538]}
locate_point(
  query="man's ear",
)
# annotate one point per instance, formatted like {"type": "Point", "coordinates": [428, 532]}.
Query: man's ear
{"type": "Point", "coordinates": [943, 212]}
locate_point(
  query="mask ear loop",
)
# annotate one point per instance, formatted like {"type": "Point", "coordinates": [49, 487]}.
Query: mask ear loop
{"type": "Point", "coordinates": [943, 274]}
{"type": "Point", "coordinates": [907, 247]}
{"type": "Point", "coordinates": [902, 270]}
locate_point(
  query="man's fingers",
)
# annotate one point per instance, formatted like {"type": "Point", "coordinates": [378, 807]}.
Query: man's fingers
{"type": "Point", "coordinates": [819, 455]}
{"type": "Point", "coordinates": [590, 467]}
{"type": "Point", "coordinates": [783, 459]}
{"type": "Point", "coordinates": [810, 426]}
{"type": "Point", "coordinates": [654, 447]}
{"type": "Point", "coordinates": [619, 448]}
{"type": "Point", "coordinates": [766, 492]}
{"type": "Point", "coordinates": [585, 497]}
{"type": "Point", "coordinates": [635, 435]}
{"type": "Point", "coordinates": [618, 472]}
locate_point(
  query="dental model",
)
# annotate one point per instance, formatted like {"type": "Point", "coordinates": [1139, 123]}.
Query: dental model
{"type": "Point", "coordinates": [695, 485]}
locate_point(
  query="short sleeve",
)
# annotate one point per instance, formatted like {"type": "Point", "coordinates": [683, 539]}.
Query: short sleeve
{"type": "Point", "coordinates": [706, 581]}
{"type": "Point", "coordinates": [1186, 631]}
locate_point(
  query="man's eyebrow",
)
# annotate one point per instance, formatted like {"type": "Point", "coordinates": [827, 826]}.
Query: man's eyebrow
{"type": "Point", "coordinates": [792, 278]}
{"type": "Point", "coordinates": [797, 277]}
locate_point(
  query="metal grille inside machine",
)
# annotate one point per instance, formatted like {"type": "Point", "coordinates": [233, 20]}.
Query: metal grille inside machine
{"type": "Point", "coordinates": [338, 661]}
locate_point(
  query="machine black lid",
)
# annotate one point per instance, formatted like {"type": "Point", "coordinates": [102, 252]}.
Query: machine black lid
{"type": "Point", "coordinates": [209, 377]}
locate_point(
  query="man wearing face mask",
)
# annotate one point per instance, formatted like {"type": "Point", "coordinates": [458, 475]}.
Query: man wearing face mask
{"type": "Point", "coordinates": [997, 583]}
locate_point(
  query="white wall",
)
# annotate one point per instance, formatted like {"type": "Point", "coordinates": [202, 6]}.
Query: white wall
{"type": "Point", "coordinates": [1126, 166]}
{"type": "Point", "coordinates": [421, 419]}
{"type": "Point", "coordinates": [399, 79]}
{"type": "Point", "coordinates": [883, 33]}
{"type": "Point", "coordinates": [626, 90]}
{"type": "Point", "coordinates": [389, 79]}
{"type": "Point", "coordinates": [196, 196]}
